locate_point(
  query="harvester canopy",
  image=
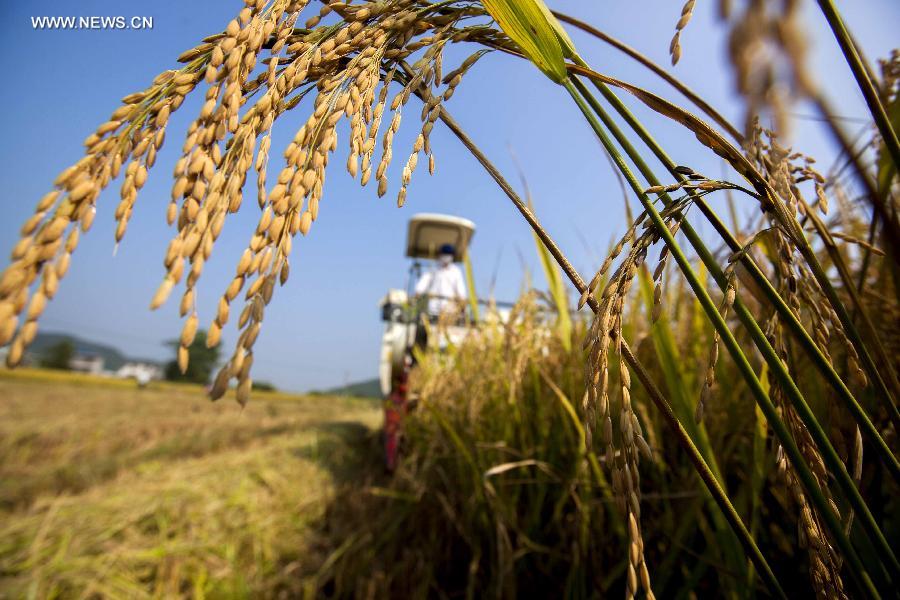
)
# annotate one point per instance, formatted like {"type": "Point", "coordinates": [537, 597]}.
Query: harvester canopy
{"type": "Point", "coordinates": [429, 231]}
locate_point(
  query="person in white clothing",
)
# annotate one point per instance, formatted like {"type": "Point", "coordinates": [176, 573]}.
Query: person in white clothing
{"type": "Point", "coordinates": [444, 286]}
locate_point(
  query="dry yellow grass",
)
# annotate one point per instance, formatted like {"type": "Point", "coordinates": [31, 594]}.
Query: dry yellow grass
{"type": "Point", "coordinates": [123, 492]}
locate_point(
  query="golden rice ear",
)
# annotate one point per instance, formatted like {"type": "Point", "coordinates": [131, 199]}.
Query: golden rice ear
{"type": "Point", "coordinates": [675, 46]}
{"type": "Point", "coordinates": [530, 24]}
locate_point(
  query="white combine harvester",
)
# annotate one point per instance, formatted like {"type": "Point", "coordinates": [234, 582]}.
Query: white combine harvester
{"type": "Point", "coordinates": [409, 325]}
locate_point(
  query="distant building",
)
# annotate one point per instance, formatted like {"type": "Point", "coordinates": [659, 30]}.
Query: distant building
{"type": "Point", "coordinates": [141, 371]}
{"type": "Point", "coordinates": [87, 363]}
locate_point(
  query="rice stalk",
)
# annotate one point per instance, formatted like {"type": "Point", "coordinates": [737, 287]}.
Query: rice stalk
{"type": "Point", "coordinates": [737, 354]}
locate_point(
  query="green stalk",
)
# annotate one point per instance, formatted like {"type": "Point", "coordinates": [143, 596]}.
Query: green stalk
{"type": "Point", "coordinates": [806, 341]}
{"type": "Point", "coordinates": [819, 273]}
{"type": "Point", "coordinates": [758, 467]}
{"type": "Point", "coordinates": [862, 78]}
{"type": "Point", "coordinates": [743, 364]}
{"type": "Point", "coordinates": [653, 392]}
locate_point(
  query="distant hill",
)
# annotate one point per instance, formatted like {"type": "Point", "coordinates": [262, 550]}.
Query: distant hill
{"type": "Point", "coordinates": [370, 388]}
{"type": "Point", "coordinates": [113, 359]}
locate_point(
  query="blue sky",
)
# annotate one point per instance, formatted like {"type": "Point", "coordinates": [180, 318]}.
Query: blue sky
{"type": "Point", "coordinates": [323, 328]}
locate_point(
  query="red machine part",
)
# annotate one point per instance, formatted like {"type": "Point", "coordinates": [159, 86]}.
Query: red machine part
{"type": "Point", "coordinates": [395, 408]}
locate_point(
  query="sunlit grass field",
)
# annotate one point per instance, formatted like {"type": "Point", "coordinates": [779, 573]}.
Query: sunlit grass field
{"type": "Point", "coordinates": [111, 490]}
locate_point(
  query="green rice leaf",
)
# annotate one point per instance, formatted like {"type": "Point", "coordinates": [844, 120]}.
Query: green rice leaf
{"type": "Point", "coordinates": [565, 42]}
{"type": "Point", "coordinates": [470, 283]}
{"type": "Point", "coordinates": [530, 25]}
{"type": "Point", "coordinates": [558, 292]}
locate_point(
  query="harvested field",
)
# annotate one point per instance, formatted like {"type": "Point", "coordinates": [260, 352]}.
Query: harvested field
{"type": "Point", "coordinates": [125, 492]}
